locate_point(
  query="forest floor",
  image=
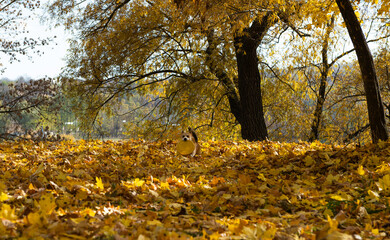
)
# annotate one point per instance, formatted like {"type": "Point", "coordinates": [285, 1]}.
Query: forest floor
{"type": "Point", "coordinates": [235, 190]}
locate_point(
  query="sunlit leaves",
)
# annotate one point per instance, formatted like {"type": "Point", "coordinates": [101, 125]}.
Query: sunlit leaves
{"type": "Point", "coordinates": [7, 212]}
{"type": "Point", "coordinates": [99, 183]}
{"type": "Point", "coordinates": [384, 183]}
{"type": "Point", "coordinates": [360, 170]}
{"type": "Point", "coordinates": [159, 49]}
{"type": "Point", "coordinates": [373, 195]}
{"type": "Point", "coordinates": [46, 203]}
{"type": "Point", "coordinates": [261, 190]}
{"type": "Point", "coordinates": [3, 197]}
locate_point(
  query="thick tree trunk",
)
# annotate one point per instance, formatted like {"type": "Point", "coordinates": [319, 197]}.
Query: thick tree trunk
{"type": "Point", "coordinates": [244, 95]}
{"type": "Point", "coordinates": [252, 120]}
{"type": "Point", "coordinates": [376, 112]}
{"type": "Point", "coordinates": [252, 116]}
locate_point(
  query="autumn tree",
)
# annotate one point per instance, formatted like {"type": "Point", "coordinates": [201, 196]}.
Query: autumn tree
{"type": "Point", "coordinates": [22, 99]}
{"type": "Point", "coordinates": [324, 70]}
{"type": "Point", "coordinates": [196, 62]}
{"type": "Point", "coordinates": [202, 54]}
{"type": "Point", "coordinates": [319, 59]}
{"type": "Point", "coordinates": [383, 73]}
{"type": "Point", "coordinates": [374, 101]}
{"type": "Point", "coordinates": [329, 73]}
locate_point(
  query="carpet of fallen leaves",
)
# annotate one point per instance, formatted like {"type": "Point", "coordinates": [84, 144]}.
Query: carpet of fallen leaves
{"type": "Point", "coordinates": [235, 190]}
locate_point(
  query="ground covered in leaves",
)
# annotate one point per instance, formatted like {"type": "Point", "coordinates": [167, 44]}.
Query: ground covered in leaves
{"type": "Point", "coordinates": [235, 190]}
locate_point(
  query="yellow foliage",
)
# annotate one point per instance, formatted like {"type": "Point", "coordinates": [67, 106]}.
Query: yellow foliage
{"type": "Point", "coordinates": [3, 197]}
{"type": "Point", "coordinates": [99, 183]}
{"type": "Point", "coordinates": [384, 183]}
{"type": "Point", "coordinates": [7, 212]}
{"type": "Point", "coordinates": [360, 170]}
{"type": "Point", "coordinates": [47, 203]}
{"type": "Point", "coordinates": [160, 193]}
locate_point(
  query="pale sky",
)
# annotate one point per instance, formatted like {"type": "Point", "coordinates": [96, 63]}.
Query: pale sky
{"type": "Point", "coordinates": [48, 64]}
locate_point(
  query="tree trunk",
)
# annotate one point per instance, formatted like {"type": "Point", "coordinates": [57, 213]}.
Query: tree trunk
{"type": "Point", "coordinates": [252, 116]}
{"type": "Point", "coordinates": [253, 127]}
{"type": "Point", "coordinates": [244, 95]}
{"type": "Point", "coordinates": [376, 112]}
{"type": "Point", "coordinates": [315, 126]}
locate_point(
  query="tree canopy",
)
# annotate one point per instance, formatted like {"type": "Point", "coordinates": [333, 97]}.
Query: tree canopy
{"type": "Point", "coordinates": [205, 63]}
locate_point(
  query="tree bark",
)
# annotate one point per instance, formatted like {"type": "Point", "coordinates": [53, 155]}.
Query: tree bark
{"type": "Point", "coordinates": [375, 108]}
{"type": "Point", "coordinates": [253, 127]}
{"type": "Point", "coordinates": [315, 126]}
{"type": "Point", "coordinates": [244, 95]}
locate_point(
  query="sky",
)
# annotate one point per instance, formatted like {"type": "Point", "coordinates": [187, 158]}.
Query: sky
{"type": "Point", "coordinates": [49, 63]}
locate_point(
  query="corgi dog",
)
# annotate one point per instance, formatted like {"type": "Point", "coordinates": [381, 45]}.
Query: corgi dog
{"type": "Point", "coordinates": [191, 136]}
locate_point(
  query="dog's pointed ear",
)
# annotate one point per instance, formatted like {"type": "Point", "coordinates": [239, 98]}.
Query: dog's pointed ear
{"type": "Point", "coordinates": [182, 131]}
{"type": "Point", "coordinates": [190, 129]}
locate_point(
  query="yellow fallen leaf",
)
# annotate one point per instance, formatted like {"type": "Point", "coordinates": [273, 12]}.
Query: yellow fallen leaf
{"type": "Point", "coordinates": [227, 196]}
{"type": "Point", "coordinates": [309, 161]}
{"type": "Point", "coordinates": [360, 170]}
{"type": "Point", "coordinates": [373, 195]}
{"type": "Point", "coordinates": [40, 168]}
{"type": "Point", "coordinates": [3, 197]}
{"type": "Point", "coordinates": [154, 222]}
{"type": "Point", "coordinates": [338, 198]}
{"type": "Point", "coordinates": [77, 220]}
{"type": "Point", "coordinates": [332, 224]}
{"type": "Point", "coordinates": [7, 212]}
{"type": "Point", "coordinates": [263, 230]}
{"type": "Point", "coordinates": [99, 183]}
{"type": "Point", "coordinates": [338, 236]}
{"type": "Point", "coordinates": [47, 203]}
{"type": "Point", "coordinates": [332, 178]}
{"type": "Point", "coordinates": [3, 230]}
{"type": "Point", "coordinates": [236, 226]}
{"type": "Point", "coordinates": [142, 237]}
{"type": "Point", "coordinates": [37, 218]}
{"type": "Point", "coordinates": [269, 233]}
{"type": "Point", "coordinates": [261, 177]}
{"type": "Point", "coordinates": [138, 182]}
{"type": "Point", "coordinates": [3, 187]}
{"type": "Point", "coordinates": [164, 185]}
{"type": "Point", "coordinates": [328, 212]}
{"type": "Point", "coordinates": [61, 212]}
{"type": "Point", "coordinates": [213, 236]}
{"type": "Point", "coordinates": [88, 212]}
